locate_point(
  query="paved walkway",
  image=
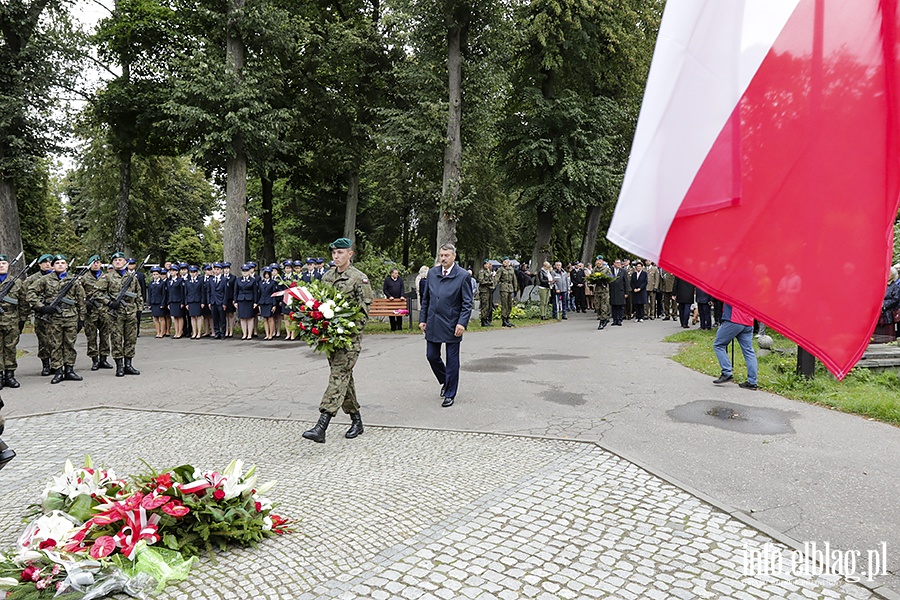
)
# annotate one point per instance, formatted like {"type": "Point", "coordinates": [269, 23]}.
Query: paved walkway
{"type": "Point", "coordinates": [411, 511]}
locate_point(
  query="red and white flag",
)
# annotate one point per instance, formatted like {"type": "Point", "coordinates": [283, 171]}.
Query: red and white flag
{"type": "Point", "coordinates": [765, 164]}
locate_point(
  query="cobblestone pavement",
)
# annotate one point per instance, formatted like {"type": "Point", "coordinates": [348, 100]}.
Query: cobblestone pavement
{"type": "Point", "coordinates": [417, 513]}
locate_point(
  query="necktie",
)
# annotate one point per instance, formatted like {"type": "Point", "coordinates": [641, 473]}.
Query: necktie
{"type": "Point", "coordinates": [446, 272]}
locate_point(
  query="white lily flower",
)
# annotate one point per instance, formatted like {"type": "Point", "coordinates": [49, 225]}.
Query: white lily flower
{"type": "Point", "coordinates": [8, 582]}
{"type": "Point", "coordinates": [267, 523]}
{"type": "Point", "coordinates": [264, 488]}
{"type": "Point", "coordinates": [309, 303]}
{"type": "Point", "coordinates": [327, 312]}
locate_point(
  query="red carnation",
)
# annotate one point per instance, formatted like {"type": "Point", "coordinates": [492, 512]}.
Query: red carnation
{"type": "Point", "coordinates": [316, 304]}
{"type": "Point", "coordinates": [219, 494]}
{"type": "Point", "coordinates": [258, 506]}
{"type": "Point", "coordinates": [324, 324]}
{"type": "Point", "coordinates": [315, 330]}
{"type": "Point", "coordinates": [292, 314]}
{"type": "Point", "coordinates": [47, 544]}
{"type": "Point", "coordinates": [31, 573]}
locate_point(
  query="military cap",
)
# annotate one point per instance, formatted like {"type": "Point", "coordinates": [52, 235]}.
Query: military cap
{"type": "Point", "coordinates": [173, 267]}
{"type": "Point", "coordinates": [60, 257]}
{"type": "Point", "coordinates": [320, 261]}
{"type": "Point", "coordinates": [45, 258]}
{"type": "Point", "coordinates": [340, 243]}
{"type": "Point", "coordinates": [245, 267]}
{"type": "Point", "coordinates": [486, 261]}
{"type": "Point", "coordinates": [275, 265]}
{"type": "Point", "coordinates": [226, 265]}
{"type": "Point", "coordinates": [154, 269]}
{"type": "Point", "coordinates": [310, 261]}
{"type": "Point", "coordinates": [267, 269]}
{"type": "Point", "coordinates": [217, 265]}
{"type": "Point", "coordinates": [505, 258]}
{"type": "Point", "coordinates": [193, 268]}
{"type": "Point", "coordinates": [131, 261]}
{"type": "Point", "coordinates": [183, 265]}
{"type": "Point", "coordinates": [252, 264]}
{"type": "Point", "coordinates": [117, 255]}
{"type": "Point", "coordinates": [93, 259]}
{"type": "Point", "coordinates": [599, 257]}
{"type": "Point", "coordinates": [287, 263]}
{"type": "Point", "coordinates": [4, 257]}
{"type": "Point", "coordinates": [207, 267]}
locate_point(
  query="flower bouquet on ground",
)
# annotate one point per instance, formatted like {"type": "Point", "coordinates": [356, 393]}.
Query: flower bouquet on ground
{"type": "Point", "coordinates": [598, 277]}
{"type": "Point", "coordinates": [322, 315]}
{"type": "Point", "coordinates": [133, 534]}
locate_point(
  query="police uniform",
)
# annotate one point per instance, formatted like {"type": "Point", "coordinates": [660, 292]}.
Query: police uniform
{"type": "Point", "coordinates": [121, 309]}
{"type": "Point", "coordinates": [96, 323]}
{"type": "Point", "coordinates": [486, 284]}
{"type": "Point", "coordinates": [14, 304]}
{"type": "Point", "coordinates": [41, 327]}
{"type": "Point", "coordinates": [320, 268]}
{"type": "Point", "coordinates": [66, 319]}
{"type": "Point", "coordinates": [506, 281]}
{"type": "Point", "coordinates": [341, 391]}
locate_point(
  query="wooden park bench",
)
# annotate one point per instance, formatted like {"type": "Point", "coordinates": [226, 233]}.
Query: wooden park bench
{"type": "Point", "coordinates": [382, 307]}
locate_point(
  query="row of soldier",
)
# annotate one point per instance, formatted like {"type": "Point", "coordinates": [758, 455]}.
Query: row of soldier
{"type": "Point", "coordinates": [103, 303]}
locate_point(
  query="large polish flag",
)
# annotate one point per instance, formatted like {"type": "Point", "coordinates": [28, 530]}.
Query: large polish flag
{"type": "Point", "coordinates": [765, 169]}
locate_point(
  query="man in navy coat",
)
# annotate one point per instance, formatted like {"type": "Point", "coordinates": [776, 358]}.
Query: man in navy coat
{"type": "Point", "coordinates": [217, 295]}
{"type": "Point", "coordinates": [445, 308]}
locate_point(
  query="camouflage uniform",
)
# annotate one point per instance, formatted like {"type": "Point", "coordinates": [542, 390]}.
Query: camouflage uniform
{"type": "Point", "coordinates": [122, 322]}
{"type": "Point", "coordinates": [41, 328]}
{"type": "Point", "coordinates": [601, 295]}
{"type": "Point", "coordinates": [506, 280]}
{"type": "Point", "coordinates": [63, 327]}
{"type": "Point", "coordinates": [96, 325]}
{"type": "Point", "coordinates": [341, 392]}
{"type": "Point", "coordinates": [485, 291]}
{"type": "Point", "coordinates": [667, 285]}
{"type": "Point", "coordinates": [15, 309]}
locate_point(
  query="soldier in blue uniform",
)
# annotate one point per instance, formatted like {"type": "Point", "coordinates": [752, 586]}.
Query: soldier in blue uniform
{"type": "Point", "coordinates": [246, 296]}
{"type": "Point", "coordinates": [175, 297]}
{"type": "Point", "coordinates": [183, 274]}
{"type": "Point", "coordinates": [207, 323]}
{"type": "Point", "coordinates": [195, 300]}
{"type": "Point", "coordinates": [267, 287]}
{"type": "Point", "coordinates": [216, 298]}
{"type": "Point", "coordinates": [158, 300]}
{"type": "Point", "coordinates": [229, 298]}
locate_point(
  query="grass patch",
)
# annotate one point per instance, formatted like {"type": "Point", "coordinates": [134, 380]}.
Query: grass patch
{"type": "Point", "coordinates": [863, 392]}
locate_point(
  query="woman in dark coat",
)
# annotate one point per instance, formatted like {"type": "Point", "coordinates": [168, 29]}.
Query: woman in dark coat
{"type": "Point", "coordinates": [639, 291]}
{"type": "Point", "coordinates": [393, 289]}
{"type": "Point", "coordinates": [175, 295]}
{"type": "Point", "coordinates": [246, 295]}
{"type": "Point", "coordinates": [703, 310]}
{"type": "Point", "coordinates": [267, 287]}
{"type": "Point", "coordinates": [195, 299]}
{"type": "Point", "coordinates": [684, 296]}
{"type": "Point", "coordinates": [158, 300]}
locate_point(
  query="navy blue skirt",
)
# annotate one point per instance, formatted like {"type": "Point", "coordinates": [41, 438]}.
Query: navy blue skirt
{"type": "Point", "coordinates": [194, 309]}
{"type": "Point", "coordinates": [246, 310]}
{"type": "Point", "coordinates": [267, 310]}
{"type": "Point", "coordinates": [159, 311]}
{"type": "Point", "coordinates": [175, 310]}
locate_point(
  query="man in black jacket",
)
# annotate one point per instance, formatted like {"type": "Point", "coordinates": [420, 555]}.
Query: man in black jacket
{"type": "Point", "coordinates": [578, 287]}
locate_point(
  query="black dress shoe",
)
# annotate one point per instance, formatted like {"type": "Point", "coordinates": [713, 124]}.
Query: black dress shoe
{"type": "Point", "coordinates": [448, 402]}
{"type": "Point", "coordinates": [723, 378]}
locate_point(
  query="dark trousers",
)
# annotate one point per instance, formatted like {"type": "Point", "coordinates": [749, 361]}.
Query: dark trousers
{"type": "Point", "coordinates": [658, 309]}
{"type": "Point", "coordinates": [618, 313]}
{"type": "Point", "coordinates": [705, 315]}
{"type": "Point", "coordinates": [446, 374]}
{"type": "Point", "coordinates": [639, 311]}
{"type": "Point", "coordinates": [580, 300]}
{"type": "Point", "coordinates": [218, 317]}
{"type": "Point", "coordinates": [396, 323]}
{"type": "Point", "coordinates": [684, 313]}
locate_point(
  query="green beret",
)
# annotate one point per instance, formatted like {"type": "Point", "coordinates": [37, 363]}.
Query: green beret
{"type": "Point", "coordinates": [117, 255]}
{"type": "Point", "coordinates": [341, 243]}
{"type": "Point", "coordinates": [505, 258]}
{"type": "Point", "coordinates": [60, 257]}
{"type": "Point", "coordinates": [45, 258]}
{"type": "Point", "coordinates": [94, 258]}
{"type": "Point", "coordinates": [4, 257]}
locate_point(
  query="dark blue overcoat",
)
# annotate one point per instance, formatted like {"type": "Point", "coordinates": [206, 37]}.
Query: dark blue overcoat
{"type": "Point", "coordinates": [446, 303]}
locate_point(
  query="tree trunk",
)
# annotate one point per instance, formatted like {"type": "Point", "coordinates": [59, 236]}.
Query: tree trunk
{"type": "Point", "coordinates": [591, 228]}
{"type": "Point", "coordinates": [542, 248]}
{"type": "Point", "coordinates": [234, 232]}
{"type": "Point", "coordinates": [450, 187]}
{"type": "Point", "coordinates": [120, 235]}
{"type": "Point", "coordinates": [352, 204]}
{"type": "Point", "coordinates": [268, 221]}
{"type": "Point", "coordinates": [10, 229]}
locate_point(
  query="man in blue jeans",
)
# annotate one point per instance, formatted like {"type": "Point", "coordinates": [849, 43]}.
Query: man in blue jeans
{"type": "Point", "coordinates": [736, 323]}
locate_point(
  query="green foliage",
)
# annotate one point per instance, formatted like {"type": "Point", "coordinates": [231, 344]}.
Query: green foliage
{"type": "Point", "coordinates": [516, 312]}
{"type": "Point", "coordinates": [185, 245]}
{"type": "Point", "coordinates": [378, 267]}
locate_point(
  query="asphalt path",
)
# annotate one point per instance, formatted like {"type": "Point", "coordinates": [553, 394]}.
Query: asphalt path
{"type": "Point", "coordinates": [814, 474]}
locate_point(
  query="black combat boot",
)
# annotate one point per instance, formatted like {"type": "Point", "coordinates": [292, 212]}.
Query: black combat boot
{"type": "Point", "coordinates": [130, 370]}
{"type": "Point", "coordinates": [57, 375]}
{"type": "Point", "coordinates": [6, 453]}
{"type": "Point", "coordinates": [2, 381]}
{"type": "Point", "coordinates": [95, 363]}
{"type": "Point", "coordinates": [356, 426]}
{"type": "Point", "coordinates": [11, 380]}
{"type": "Point", "coordinates": [69, 374]}
{"type": "Point", "coordinates": [46, 370]}
{"type": "Point", "coordinates": [317, 433]}
{"type": "Point", "coordinates": [120, 367]}
{"type": "Point", "coordinates": [103, 363]}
